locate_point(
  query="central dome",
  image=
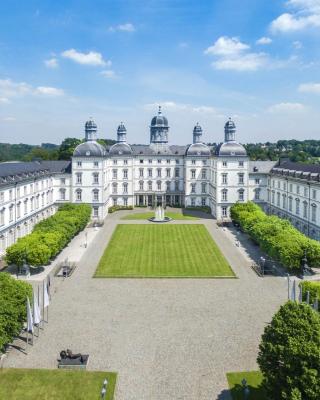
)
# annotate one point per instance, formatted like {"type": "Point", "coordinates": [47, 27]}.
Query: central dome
{"type": "Point", "coordinates": [159, 120]}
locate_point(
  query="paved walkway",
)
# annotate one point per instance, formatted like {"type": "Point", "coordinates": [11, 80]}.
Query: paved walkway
{"type": "Point", "coordinates": [168, 339]}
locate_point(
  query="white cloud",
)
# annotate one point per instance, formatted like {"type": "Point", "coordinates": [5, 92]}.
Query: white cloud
{"type": "Point", "coordinates": [8, 119]}
{"type": "Point", "coordinates": [128, 27]}
{"type": "Point", "coordinates": [51, 63]}
{"type": "Point", "coordinates": [242, 62]}
{"type": "Point", "coordinates": [264, 40]}
{"type": "Point", "coordinates": [49, 91]}
{"type": "Point", "coordinates": [108, 73]}
{"type": "Point", "coordinates": [311, 87]}
{"type": "Point", "coordinates": [297, 44]}
{"type": "Point", "coordinates": [233, 55]}
{"type": "Point", "coordinates": [284, 108]}
{"type": "Point", "coordinates": [225, 46]}
{"type": "Point", "coordinates": [305, 14]}
{"type": "Point", "coordinates": [173, 106]}
{"type": "Point", "coordinates": [91, 58]}
{"type": "Point", "coordinates": [8, 88]}
{"type": "Point", "coordinates": [4, 100]}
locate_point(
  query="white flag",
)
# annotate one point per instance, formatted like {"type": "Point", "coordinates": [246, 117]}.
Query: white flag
{"type": "Point", "coordinates": [29, 317]}
{"type": "Point", "coordinates": [293, 291]}
{"type": "Point", "coordinates": [36, 310]}
{"type": "Point", "coordinates": [316, 304]}
{"type": "Point", "coordinates": [300, 294]}
{"type": "Point", "coordinates": [45, 295]}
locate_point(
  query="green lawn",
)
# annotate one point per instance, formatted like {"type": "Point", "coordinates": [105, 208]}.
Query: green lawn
{"type": "Point", "coordinates": [46, 384]}
{"type": "Point", "coordinates": [254, 380]}
{"type": "Point", "coordinates": [184, 250]}
{"type": "Point", "coordinates": [147, 215]}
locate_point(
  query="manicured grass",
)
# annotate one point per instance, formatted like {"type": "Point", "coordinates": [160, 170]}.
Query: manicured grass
{"type": "Point", "coordinates": [150, 214]}
{"type": "Point", "coordinates": [254, 380]}
{"type": "Point", "coordinates": [46, 384]}
{"type": "Point", "coordinates": [184, 250]}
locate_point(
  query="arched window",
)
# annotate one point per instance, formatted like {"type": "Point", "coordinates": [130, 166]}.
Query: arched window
{"type": "Point", "coordinates": [241, 195]}
{"type": "Point", "coordinates": [125, 187]}
{"type": "Point", "coordinates": [114, 188]}
{"type": "Point", "coordinates": [313, 212]}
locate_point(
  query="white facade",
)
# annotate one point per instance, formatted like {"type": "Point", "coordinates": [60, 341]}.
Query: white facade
{"type": "Point", "coordinates": [147, 175]}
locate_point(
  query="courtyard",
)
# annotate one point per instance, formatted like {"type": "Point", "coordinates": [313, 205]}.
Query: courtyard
{"type": "Point", "coordinates": [166, 339]}
{"type": "Point", "coordinates": [162, 250]}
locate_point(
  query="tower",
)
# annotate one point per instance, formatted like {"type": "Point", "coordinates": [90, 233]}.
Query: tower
{"type": "Point", "coordinates": [229, 131]}
{"type": "Point", "coordinates": [121, 133]}
{"type": "Point", "coordinates": [90, 130]}
{"type": "Point", "coordinates": [159, 129]}
{"type": "Point", "coordinates": [197, 133]}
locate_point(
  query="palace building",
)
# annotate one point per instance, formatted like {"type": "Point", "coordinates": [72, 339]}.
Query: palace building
{"type": "Point", "coordinates": [157, 173]}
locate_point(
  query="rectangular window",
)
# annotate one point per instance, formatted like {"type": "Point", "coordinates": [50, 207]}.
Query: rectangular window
{"type": "Point", "coordinates": [297, 206]}
{"type": "Point", "coordinates": [150, 173]}
{"type": "Point", "coordinates": [10, 194]}
{"type": "Point", "coordinates": [1, 197]}
{"type": "Point", "coordinates": [176, 186]}
{"type": "Point", "coordinates": [159, 161]}
{"type": "Point", "coordinates": [159, 185]}
{"type": "Point", "coordinates": [141, 185]}
{"type": "Point", "coordinates": [305, 209]}
{"type": "Point", "coordinates": [176, 172]}
{"type": "Point", "coordinates": [193, 174]}
{"type": "Point", "coordinates": [10, 214]}
{"type": "Point", "coordinates": [79, 164]}
{"type": "Point", "coordinates": [25, 204]}
{"type": "Point", "coordinates": [141, 172]}
{"type": "Point", "coordinates": [114, 174]}
{"type": "Point", "coordinates": [204, 174]}
{"type": "Point", "coordinates": [224, 163]}
{"type": "Point", "coordinates": [224, 179]}
{"type": "Point", "coordinates": [240, 163]}
{"type": "Point", "coordinates": [298, 189]}
{"type": "Point", "coordinates": [63, 181]}
{"type": "Point", "coordinates": [203, 201]}
{"type": "Point", "coordinates": [79, 179]}
{"type": "Point", "coordinates": [278, 199]}
{"type": "Point", "coordinates": [168, 161]}
{"type": "Point", "coordinates": [62, 194]}
{"type": "Point", "coordinates": [290, 204]}
{"type": "Point", "coordinates": [96, 212]}
{"type": "Point", "coordinates": [125, 162]}
{"type": "Point", "coordinates": [96, 164]}
{"type": "Point", "coordinates": [241, 179]}
{"type": "Point", "coordinates": [314, 194]}
{"type": "Point", "coordinates": [193, 187]}
{"type": "Point", "coordinates": [241, 195]}
{"type": "Point", "coordinates": [125, 174]}
{"type": "Point", "coordinates": [149, 185]}
{"type": "Point", "coordinates": [224, 195]}
{"type": "Point", "coordinates": [115, 162]}
{"type": "Point", "coordinates": [159, 172]}
{"type": "Point", "coordinates": [305, 192]}
{"type": "Point", "coordinates": [125, 188]}
{"type": "Point", "coordinates": [125, 201]}
{"type": "Point", "coordinates": [224, 211]}
{"type": "Point", "coordinates": [193, 201]}
{"type": "Point", "coordinates": [177, 161]}
{"type": "Point", "coordinates": [150, 161]}
{"type": "Point", "coordinates": [141, 161]}
{"type": "Point", "coordinates": [203, 188]}
{"type": "Point", "coordinates": [257, 194]}
{"type": "Point", "coordinates": [257, 181]}
{"type": "Point", "coordinates": [290, 187]}
{"type": "Point", "coordinates": [284, 202]}
{"type": "Point", "coordinates": [168, 172]}
{"type": "Point", "coordinates": [95, 195]}
{"type": "Point", "coordinates": [193, 162]}
{"type": "Point", "coordinates": [95, 178]}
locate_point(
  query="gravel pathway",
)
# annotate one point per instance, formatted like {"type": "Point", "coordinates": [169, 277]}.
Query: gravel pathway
{"type": "Point", "coordinates": [168, 339]}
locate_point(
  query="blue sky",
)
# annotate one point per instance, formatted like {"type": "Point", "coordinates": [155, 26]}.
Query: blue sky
{"type": "Point", "coordinates": [203, 61]}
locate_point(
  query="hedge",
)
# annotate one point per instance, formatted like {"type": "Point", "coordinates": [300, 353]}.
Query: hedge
{"type": "Point", "coordinates": [49, 236]}
{"type": "Point", "coordinates": [276, 236]}
{"type": "Point", "coordinates": [112, 209]}
{"type": "Point", "coordinates": [313, 288]}
{"type": "Point", "coordinates": [13, 295]}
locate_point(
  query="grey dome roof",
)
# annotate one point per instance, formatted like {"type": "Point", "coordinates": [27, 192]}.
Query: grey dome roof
{"type": "Point", "coordinates": [159, 120]}
{"type": "Point", "coordinates": [89, 149]}
{"type": "Point", "coordinates": [120, 149]}
{"type": "Point", "coordinates": [90, 124]}
{"type": "Point", "coordinates": [229, 124]}
{"type": "Point", "coordinates": [198, 149]}
{"type": "Point", "coordinates": [121, 128]}
{"type": "Point", "coordinates": [230, 149]}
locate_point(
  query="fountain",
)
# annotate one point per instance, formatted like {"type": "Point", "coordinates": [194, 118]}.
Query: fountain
{"type": "Point", "coordinates": [159, 216]}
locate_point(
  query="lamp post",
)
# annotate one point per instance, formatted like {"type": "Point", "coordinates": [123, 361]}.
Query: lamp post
{"type": "Point", "coordinates": [246, 390]}
{"type": "Point", "coordinates": [104, 389]}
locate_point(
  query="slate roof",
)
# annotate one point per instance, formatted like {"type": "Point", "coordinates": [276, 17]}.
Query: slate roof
{"type": "Point", "coordinates": [262, 167]}
{"type": "Point", "coordinates": [298, 170]}
{"type": "Point", "coordinates": [19, 171]}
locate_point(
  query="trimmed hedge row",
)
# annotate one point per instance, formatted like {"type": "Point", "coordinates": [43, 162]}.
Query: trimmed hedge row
{"type": "Point", "coordinates": [13, 295]}
{"type": "Point", "coordinates": [49, 236]}
{"type": "Point", "coordinates": [117, 208]}
{"type": "Point", "coordinates": [313, 288]}
{"type": "Point", "coordinates": [276, 236]}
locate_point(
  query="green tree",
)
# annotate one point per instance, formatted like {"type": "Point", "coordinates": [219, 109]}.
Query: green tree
{"type": "Point", "coordinates": [289, 355]}
{"type": "Point", "coordinates": [67, 148]}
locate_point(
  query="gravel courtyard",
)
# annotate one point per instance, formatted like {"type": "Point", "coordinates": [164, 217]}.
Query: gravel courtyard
{"type": "Point", "coordinates": [168, 339]}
